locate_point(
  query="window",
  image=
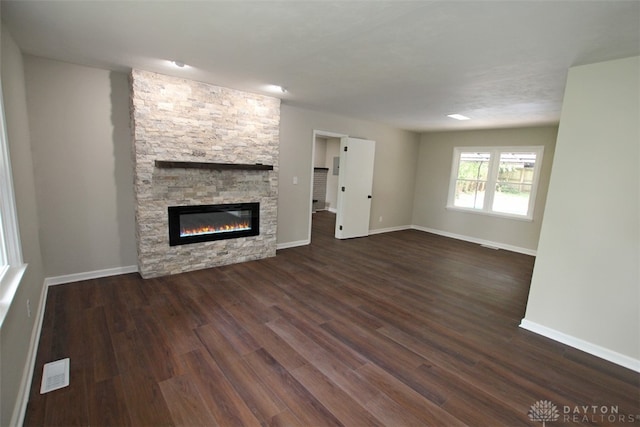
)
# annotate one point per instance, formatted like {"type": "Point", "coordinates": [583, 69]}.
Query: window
{"type": "Point", "coordinates": [496, 180]}
{"type": "Point", "coordinates": [11, 266]}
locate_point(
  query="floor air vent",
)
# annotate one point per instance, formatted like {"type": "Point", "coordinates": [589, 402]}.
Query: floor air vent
{"type": "Point", "coordinates": [55, 375]}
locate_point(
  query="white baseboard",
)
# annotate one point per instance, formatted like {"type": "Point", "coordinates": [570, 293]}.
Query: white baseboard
{"type": "Point", "coordinates": [489, 243]}
{"type": "Point", "coordinates": [20, 410]}
{"type": "Point", "coordinates": [389, 229]}
{"type": "Point", "coordinates": [476, 240]}
{"type": "Point", "coordinates": [593, 349]}
{"type": "Point", "coordinates": [288, 245]}
{"type": "Point", "coordinates": [295, 244]}
{"type": "Point", "coordinates": [77, 277]}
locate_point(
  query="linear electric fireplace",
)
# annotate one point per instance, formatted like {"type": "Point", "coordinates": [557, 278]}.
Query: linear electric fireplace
{"type": "Point", "coordinates": [202, 223]}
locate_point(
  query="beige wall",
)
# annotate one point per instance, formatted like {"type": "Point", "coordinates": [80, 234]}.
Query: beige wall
{"type": "Point", "coordinates": [432, 186]}
{"type": "Point", "coordinates": [17, 328]}
{"type": "Point", "coordinates": [81, 144]}
{"type": "Point", "coordinates": [393, 179]}
{"type": "Point", "coordinates": [586, 281]}
{"type": "Point", "coordinates": [320, 152]}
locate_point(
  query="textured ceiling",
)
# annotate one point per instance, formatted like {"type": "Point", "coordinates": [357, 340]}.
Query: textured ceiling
{"type": "Point", "coordinates": [407, 64]}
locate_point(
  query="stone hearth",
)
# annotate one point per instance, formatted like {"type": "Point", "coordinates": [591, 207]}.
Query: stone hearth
{"type": "Point", "coordinates": [180, 120]}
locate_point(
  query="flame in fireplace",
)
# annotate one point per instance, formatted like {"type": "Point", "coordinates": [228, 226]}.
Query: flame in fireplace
{"type": "Point", "coordinates": [209, 229]}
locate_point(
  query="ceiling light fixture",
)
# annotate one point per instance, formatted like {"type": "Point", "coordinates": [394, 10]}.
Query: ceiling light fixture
{"type": "Point", "coordinates": [178, 64]}
{"type": "Point", "coordinates": [275, 89]}
{"type": "Point", "coordinates": [458, 116]}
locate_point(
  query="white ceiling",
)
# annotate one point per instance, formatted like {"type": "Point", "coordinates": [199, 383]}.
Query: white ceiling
{"type": "Point", "coordinates": [407, 64]}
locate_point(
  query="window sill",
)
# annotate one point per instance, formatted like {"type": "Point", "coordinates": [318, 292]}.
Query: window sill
{"type": "Point", "coordinates": [8, 288]}
{"type": "Point", "coordinates": [493, 214]}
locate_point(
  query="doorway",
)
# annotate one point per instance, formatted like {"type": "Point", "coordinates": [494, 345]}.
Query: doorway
{"type": "Point", "coordinates": [341, 184]}
{"type": "Point", "coordinates": [324, 180]}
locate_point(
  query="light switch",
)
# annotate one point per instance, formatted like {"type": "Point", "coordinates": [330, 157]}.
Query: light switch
{"type": "Point", "coordinates": [295, 180]}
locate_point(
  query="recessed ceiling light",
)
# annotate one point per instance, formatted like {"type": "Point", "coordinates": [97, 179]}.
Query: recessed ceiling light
{"type": "Point", "coordinates": [458, 116]}
{"type": "Point", "coordinates": [275, 89]}
{"type": "Point", "coordinates": [178, 64]}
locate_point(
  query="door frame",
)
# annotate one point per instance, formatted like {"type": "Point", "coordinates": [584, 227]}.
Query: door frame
{"type": "Point", "coordinates": [317, 133]}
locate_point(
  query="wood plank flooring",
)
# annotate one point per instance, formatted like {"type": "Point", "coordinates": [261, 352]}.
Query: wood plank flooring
{"type": "Point", "coordinates": [397, 329]}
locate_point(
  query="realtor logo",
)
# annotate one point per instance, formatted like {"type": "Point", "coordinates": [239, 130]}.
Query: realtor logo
{"type": "Point", "coordinates": [544, 411]}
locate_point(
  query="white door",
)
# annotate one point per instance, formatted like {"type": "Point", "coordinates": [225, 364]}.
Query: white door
{"type": "Point", "coordinates": [354, 187]}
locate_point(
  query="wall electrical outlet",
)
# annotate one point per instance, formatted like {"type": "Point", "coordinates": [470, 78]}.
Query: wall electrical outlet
{"type": "Point", "coordinates": [380, 219]}
{"type": "Point", "coordinates": [28, 308]}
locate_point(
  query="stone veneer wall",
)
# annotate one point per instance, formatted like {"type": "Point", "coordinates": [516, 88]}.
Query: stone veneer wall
{"type": "Point", "coordinates": [181, 120]}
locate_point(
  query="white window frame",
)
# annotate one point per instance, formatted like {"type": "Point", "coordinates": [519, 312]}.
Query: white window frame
{"type": "Point", "coordinates": [492, 178]}
{"type": "Point", "coordinates": [12, 267]}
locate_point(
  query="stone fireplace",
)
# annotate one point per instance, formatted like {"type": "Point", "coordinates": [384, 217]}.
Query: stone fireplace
{"type": "Point", "coordinates": [200, 147]}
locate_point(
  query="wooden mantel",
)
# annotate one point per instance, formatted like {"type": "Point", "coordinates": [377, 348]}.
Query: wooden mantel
{"type": "Point", "coordinates": [211, 165]}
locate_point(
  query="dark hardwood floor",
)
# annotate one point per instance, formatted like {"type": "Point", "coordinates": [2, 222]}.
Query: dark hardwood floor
{"type": "Point", "coordinates": [397, 329]}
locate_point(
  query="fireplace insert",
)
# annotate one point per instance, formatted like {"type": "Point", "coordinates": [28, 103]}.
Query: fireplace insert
{"type": "Point", "coordinates": [202, 223]}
